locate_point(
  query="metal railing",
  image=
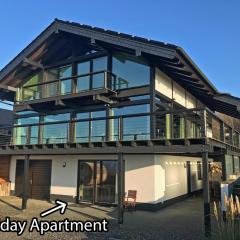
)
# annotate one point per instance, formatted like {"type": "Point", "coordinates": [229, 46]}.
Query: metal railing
{"type": "Point", "coordinates": [164, 125]}
{"type": "Point", "coordinates": [68, 85]}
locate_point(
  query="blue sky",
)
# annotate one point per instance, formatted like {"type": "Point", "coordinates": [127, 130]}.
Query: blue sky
{"type": "Point", "coordinates": [208, 30]}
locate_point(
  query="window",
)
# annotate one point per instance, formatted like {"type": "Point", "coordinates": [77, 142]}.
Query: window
{"type": "Point", "coordinates": [99, 64]}
{"type": "Point", "coordinates": [83, 83]}
{"type": "Point", "coordinates": [64, 75]}
{"type": "Point", "coordinates": [134, 128]}
{"type": "Point", "coordinates": [56, 133]}
{"type": "Point", "coordinates": [131, 71]}
{"type": "Point", "coordinates": [199, 170]}
{"type": "Point", "coordinates": [26, 134]}
{"type": "Point", "coordinates": [91, 130]}
{"type": "Point", "coordinates": [30, 92]}
{"type": "Point", "coordinates": [95, 80]}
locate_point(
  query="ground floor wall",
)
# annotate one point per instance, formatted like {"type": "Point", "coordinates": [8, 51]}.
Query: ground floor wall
{"type": "Point", "coordinates": [157, 178]}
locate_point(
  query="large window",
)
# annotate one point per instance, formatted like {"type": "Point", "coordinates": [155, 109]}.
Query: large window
{"type": "Point", "coordinates": [90, 129]}
{"type": "Point", "coordinates": [133, 128]}
{"type": "Point", "coordinates": [64, 75]}
{"type": "Point", "coordinates": [56, 133]}
{"type": "Point", "coordinates": [131, 71]}
{"type": "Point", "coordinates": [26, 134]}
{"type": "Point", "coordinates": [30, 91]}
{"type": "Point", "coordinates": [95, 80]}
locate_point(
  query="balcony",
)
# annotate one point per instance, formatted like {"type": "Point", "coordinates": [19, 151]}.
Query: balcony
{"type": "Point", "coordinates": [102, 82]}
{"type": "Point", "coordinates": [189, 128]}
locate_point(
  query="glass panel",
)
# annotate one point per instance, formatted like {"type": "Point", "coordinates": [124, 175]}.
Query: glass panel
{"type": "Point", "coordinates": [50, 89]}
{"type": "Point", "coordinates": [51, 133]}
{"type": "Point", "coordinates": [136, 128]}
{"type": "Point", "coordinates": [86, 181]}
{"type": "Point", "coordinates": [83, 83]}
{"type": "Point", "coordinates": [131, 71]}
{"type": "Point", "coordinates": [160, 127]}
{"type": "Point", "coordinates": [57, 117]}
{"type": "Point", "coordinates": [28, 120]}
{"type": "Point", "coordinates": [106, 179]}
{"type": "Point", "coordinates": [99, 64]}
{"type": "Point", "coordinates": [20, 135]}
{"type": "Point", "coordinates": [98, 127]}
{"type": "Point", "coordinates": [131, 110]}
{"type": "Point", "coordinates": [66, 85]}
{"type": "Point", "coordinates": [178, 127]}
{"type": "Point", "coordinates": [34, 135]}
{"type": "Point", "coordinates": [55, 133]}
{"type": "Point", "coordinates": [31, 93]}
{"type": "Point", "coordinates": [113, 129]}
{"type": "Point", "coordinates": [82, 131]}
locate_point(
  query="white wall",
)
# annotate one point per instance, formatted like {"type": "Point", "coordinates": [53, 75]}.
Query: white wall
{"type": "Point", "coordinates": [156, 178]}
{"type": "Point", "coordinates": [63, 179]}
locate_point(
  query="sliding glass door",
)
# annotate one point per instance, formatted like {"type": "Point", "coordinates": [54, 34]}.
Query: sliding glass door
{"type": "Point", "coordinates": [97, 181]}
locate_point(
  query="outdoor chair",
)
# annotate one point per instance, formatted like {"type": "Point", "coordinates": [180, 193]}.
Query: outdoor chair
{"type": "Point", "coordinates": [130, 200]}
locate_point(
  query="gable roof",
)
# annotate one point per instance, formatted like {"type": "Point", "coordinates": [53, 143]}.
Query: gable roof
{"type": "Point", "coordinates": [172, 59]}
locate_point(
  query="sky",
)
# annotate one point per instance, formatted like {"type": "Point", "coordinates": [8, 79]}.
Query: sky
{"type": "Point", "coordinates": [209, 31]}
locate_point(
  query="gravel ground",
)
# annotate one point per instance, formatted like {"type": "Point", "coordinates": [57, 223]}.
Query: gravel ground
{"type": "Point", "coordinates": [181, 221]}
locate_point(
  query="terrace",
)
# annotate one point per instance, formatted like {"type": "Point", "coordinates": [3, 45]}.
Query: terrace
{"type": "Point", "coordinates": [184, 131]}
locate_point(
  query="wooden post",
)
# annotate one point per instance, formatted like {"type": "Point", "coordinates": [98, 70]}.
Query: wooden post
{"type": "Point", "coordinates": [121, 188]}
{"type": "Point", "coordinates": [206, 191]}
{"type": "Point", "coordinates": [25, 182]}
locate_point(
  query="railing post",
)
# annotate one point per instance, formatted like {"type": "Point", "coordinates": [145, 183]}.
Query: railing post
{"type": "Point", "coordinates": [28, 133]}
{"type": "Point", "coordinates": [120, 128]}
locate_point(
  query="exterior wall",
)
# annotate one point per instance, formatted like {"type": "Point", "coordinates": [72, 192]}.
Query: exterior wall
{"type": "Point", "coordinates": [156, 178]}
{"type": "Point", "coordinates": [173, 90]}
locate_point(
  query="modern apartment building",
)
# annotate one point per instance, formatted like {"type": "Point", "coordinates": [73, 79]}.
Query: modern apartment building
{"type": "Point", "coordinates": [98, 113]}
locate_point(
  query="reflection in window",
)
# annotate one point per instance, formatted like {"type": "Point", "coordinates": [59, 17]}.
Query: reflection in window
{"type": "Point", "coordinates": [94, 81]}
{"type": "Point", "coordinates": [91, 130]}
{"type": "Point", "coordinates": [99, 64]}
{"type": "Point", "coordinates": [56, 133]}
{"type": "Point", "coordinates": [83, 83]}
{"type": "Point", "coordinates": [20, 134]}
{"type": "Point", "coordinates": [134, 128]}
{"type": "Point", "coordinates": [131, 71]}
{"type": "Point", "coordinates": [66, 84]}
{"type": "Point", "coordinates": [30, 92]}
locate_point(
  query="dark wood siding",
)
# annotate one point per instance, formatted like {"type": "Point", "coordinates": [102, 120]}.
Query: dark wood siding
{"type": "Point", "coordinates": [39, 178]}
{"type": "Point", "coordinates": [4, 167]}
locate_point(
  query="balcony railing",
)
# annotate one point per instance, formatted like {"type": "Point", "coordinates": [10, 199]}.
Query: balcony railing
{"type": "Point", "coordinates": [69, 85]}
{"type": "Point", "coordinates": [190, 124]}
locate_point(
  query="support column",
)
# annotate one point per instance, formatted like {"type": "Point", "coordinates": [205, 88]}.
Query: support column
{"type": "Point", "coordinates": [25, 182]}
{"type": "Point", "coordinates": [121, 187]}
{"type": "Point", "coordinates": [206, 191]}
{"type": "Point", "coordinates": [206, 194]}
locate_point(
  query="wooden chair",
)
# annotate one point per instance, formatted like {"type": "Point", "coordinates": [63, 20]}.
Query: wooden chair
{"type": "Point", "coordinates": [130, 200]}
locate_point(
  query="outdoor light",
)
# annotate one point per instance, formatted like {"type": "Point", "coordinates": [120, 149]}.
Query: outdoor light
{"type": "Point", "coordinates": [64, 164]}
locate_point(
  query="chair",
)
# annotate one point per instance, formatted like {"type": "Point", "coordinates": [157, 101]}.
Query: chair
{"type": "Point", "coordinates": [130, 200]}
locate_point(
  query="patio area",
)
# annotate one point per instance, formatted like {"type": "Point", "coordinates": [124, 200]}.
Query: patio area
{"type": "Point", "coordinates": [182, 220]}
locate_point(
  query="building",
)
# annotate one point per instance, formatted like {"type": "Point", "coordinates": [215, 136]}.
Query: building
{"type": "Point", "coordinates": [98, 113]}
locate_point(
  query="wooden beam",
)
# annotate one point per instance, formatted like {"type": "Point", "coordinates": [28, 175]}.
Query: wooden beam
{"type": "Point", "coordinates": [36, 65]}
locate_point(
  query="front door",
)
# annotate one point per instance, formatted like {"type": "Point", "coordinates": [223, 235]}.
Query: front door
{"type": "Point", "coordinates": [39, 179]}
{"type": "Point", "coordinates": [97, 181]}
